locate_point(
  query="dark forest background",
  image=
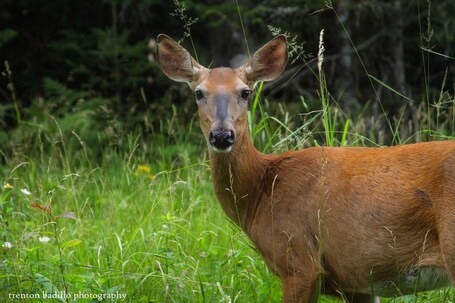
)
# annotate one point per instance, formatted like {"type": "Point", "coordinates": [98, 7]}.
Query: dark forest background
{"type": "Point", "coordinates": [90, 64]}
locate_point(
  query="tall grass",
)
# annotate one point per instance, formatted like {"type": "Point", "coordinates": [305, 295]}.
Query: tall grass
{"type": "Point", "coordinates": [141, 223]}
{"type": "Point", "coordinates": [436, 116]}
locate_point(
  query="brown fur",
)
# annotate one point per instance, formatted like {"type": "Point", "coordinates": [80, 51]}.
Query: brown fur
{"type": "Point", "coordinates": [344, 215]}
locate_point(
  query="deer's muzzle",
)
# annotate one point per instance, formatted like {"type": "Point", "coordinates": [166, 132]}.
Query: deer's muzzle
{"type": "Point", "coordinates": [221, 139]}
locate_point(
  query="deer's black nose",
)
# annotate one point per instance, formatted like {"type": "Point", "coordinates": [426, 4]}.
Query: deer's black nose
{"type": "Point", "coordinates": [221, 139]}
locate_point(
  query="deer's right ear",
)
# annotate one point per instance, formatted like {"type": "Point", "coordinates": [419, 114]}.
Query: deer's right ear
{"type": "Point", "coordinates": [268, 62]}
{"type": "Point", "coordinates": [175, 61]}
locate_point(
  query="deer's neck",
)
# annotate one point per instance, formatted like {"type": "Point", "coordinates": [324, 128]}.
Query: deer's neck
{"type": "Point", "coordinates": [237, 177]}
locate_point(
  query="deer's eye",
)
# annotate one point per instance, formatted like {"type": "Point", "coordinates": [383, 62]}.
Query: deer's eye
{"type": "Point", "coordinates": [245, 93]}
{"type": "Point", "coordinates": [199, 94]}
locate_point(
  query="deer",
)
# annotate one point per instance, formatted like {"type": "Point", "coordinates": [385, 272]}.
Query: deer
{"type": "Point", "coordinates": [358, 223]}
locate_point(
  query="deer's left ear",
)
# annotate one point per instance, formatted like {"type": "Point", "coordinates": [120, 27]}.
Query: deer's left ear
{"type": "Point", "coordinates": [175, 61]}
{"type": "Point", "coordinates": [268, 62]}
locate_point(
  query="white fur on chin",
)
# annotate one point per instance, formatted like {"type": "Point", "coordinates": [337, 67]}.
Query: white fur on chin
{"type": "Point", "coordinates": [217, 150]}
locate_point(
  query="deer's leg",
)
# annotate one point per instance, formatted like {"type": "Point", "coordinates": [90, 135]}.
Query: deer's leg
{"type": "Point", "coordinates": [300, 289]}
{"type": "Point", "coordinates": [447, 241]}
{"type": "Point", "coordinates": [446, 228]}
{"type": "Point", "coordinates": [362, 298]}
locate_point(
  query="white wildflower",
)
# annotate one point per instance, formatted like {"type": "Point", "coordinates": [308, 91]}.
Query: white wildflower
{"type": "Point", "coordinates": [7, 246]}
{"type": "Point", "coordinates": [44, 239]}
{"type": "Point", "coordinates": [26, 191]}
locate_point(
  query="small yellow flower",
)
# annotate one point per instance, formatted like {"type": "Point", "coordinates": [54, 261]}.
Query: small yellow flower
{"type": "Point", "coordinates": [7, 186]}
{"type": "Point", "coordinates": [144, 170]}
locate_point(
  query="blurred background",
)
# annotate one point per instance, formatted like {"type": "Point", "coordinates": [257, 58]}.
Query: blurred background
{"type": "Point", "coordinates": [90, 64]}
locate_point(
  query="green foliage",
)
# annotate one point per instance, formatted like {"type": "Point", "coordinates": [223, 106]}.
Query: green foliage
{"type": "Point", "coordinates": [132, 225]}
{"type": "Point", "coordinates": [140, 220]}
{"type": "Point", "coordinates": [7, 35]}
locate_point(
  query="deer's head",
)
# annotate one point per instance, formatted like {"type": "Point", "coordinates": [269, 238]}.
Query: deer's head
{"type": "Point", "coordinates": [222, 94]}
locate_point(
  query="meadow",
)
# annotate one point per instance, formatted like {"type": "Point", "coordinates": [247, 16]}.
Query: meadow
{"type": "Point", "coordinates": [141, 224]}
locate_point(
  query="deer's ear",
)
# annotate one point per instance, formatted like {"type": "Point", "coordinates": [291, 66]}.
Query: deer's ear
{"type": "Point", "coordinates": [175, 61]}
{"type": "Point", "coordinates": [268, 62]}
